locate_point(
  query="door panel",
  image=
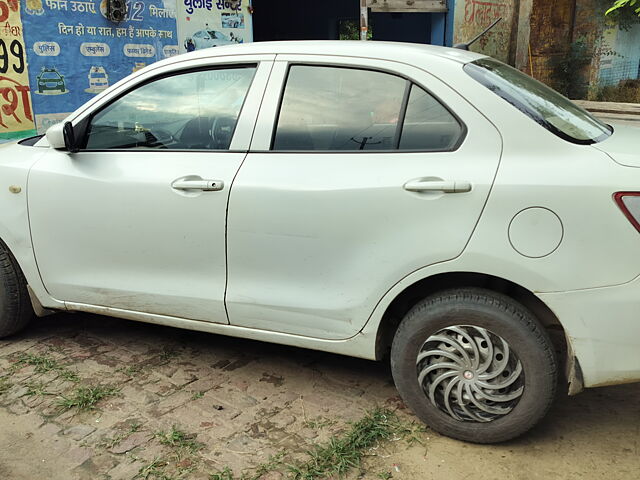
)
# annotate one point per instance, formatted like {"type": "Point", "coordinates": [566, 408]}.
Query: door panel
{"type": "Point", "coordinates": [109, 230]}
{"type": "Point", "coordinates": [142, 229]}
{"type": "Point", "coordinates": [315, 239]}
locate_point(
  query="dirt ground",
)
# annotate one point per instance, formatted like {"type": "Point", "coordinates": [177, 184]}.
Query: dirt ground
{"type": "Point", "coordinates": [241, 401]}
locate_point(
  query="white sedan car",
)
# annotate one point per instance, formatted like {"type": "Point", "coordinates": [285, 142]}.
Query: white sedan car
{"type": "Point", "coordinates": [362, 198]}
{"type": "Point", "coordinates": [207, 38]}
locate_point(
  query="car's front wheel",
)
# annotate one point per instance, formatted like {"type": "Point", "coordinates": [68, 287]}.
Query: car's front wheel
{"type": "Point", "coordinates": [474, 365]}
{"type": "Point", "coordinates": [15, 306]}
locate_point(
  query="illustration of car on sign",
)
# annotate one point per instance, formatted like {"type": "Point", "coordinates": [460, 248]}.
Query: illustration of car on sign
{"type": "Point", "coordinates": [232, 20]}
{"type": "Point", "coordinates": [206, 39]}
{"type": "Point", "coordinates": [50, 81]}
{"type": "Point", "coordinates": [426, 206]}
{"type": "Point", "coordinates": [98, 79]}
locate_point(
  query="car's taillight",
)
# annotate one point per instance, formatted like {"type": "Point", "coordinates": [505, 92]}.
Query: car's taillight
{"type": "Point", "coordinates": [629, 203]}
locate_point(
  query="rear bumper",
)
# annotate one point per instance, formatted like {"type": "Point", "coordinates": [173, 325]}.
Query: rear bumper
{"type": "Point", "coordinates": [603, 328]}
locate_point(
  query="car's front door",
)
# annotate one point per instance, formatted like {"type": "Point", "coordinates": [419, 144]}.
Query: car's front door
{"type": "Point", "coordinates": [136, 219]}
{"type": "Point", "coordinates": [356, 178]}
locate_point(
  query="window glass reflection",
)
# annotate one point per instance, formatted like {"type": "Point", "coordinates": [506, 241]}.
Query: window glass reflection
{"type": "Point", "coordinates": [331, 108]}
{"type": "Point", "coordinates": [196, 110]}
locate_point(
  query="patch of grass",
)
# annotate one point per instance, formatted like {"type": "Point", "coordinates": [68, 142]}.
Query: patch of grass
{"type": "Point", "coordinates": [130, 371]}
{"type": "Point", "coordinates": [112, 442]}
{"type": "Point", "coordinates": [177, 464]}
{"type": "Point", "coordinates": [340, 454]}
{"type": "Point", "coordinates": [226, 474]}
{"type": "Point", "coordinates": [166, 355]}
{"type": "Point", "coordinates": [153, 470]}
{"type": "Point", "coordinates": [410, 432]}
{"type": "Point", "coordinates": [319, 422]}
{"type": "Point", "coordinates": [5, 385]}
{"type": "Point", "coordinates": [134, 427]}
{"type": "Point", "coordinates": [86, 397]}
{"type": "Point", "coordinates": [178, 439]}
{"type": "Point", "coordinates": [69, 375]}
{"type": "Point", "coordinates": [37, 389]}
{"type": "Point", "coordinates": [627, 91]}
{"type": "Point", "coordinates": [46, 364]}
{"type": "Point", "coordinates": [43, 363]}
{"type": "Point", "coordinates": [197, 395]}
{"type": "Point", "coordinates": [274, 462]}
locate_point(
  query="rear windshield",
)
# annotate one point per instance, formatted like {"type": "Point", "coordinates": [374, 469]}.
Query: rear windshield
{"type": "Point", "coordinates": [544, 105]}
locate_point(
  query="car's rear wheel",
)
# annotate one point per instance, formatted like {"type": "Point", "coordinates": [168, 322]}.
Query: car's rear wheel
{"type": "Point", "coordinates": [474, 365]}
{"type": "Point", "coordinates": [15, 306]}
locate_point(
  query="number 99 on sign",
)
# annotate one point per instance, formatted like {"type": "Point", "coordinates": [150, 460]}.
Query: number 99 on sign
{"type": "Point", "coordinates": [13, 55]}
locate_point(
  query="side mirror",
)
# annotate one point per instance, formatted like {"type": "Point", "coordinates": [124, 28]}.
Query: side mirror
{"type": "Point", "coordinates": [61, 137]}
{"type": "Point", "coordinates": [55, 136]}
{"type": "Point", "coordinates": [69, 137]}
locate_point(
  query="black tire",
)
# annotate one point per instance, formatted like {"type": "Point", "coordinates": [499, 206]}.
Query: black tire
{"type": "Point", "coordinates": [15, 306]}
{"type": "Point", "coordinates": [499, 315]}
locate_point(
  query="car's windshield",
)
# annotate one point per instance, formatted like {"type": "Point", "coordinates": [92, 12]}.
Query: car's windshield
{"type": "Point", "coordinates": [50, 76]}
{"type": "Point", "coordinates": [218, 35]}
{"type": "Point", "coordinates": [541, 103]}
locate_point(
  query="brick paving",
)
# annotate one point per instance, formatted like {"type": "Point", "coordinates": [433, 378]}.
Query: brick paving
{"type": "Point", "coordinates": [243, 401]}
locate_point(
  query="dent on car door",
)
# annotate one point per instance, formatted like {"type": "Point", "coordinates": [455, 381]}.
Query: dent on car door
{"type": "Point", "coordinates": [367, 177]}
{"type": "Point", "coordinates": [136, 219]}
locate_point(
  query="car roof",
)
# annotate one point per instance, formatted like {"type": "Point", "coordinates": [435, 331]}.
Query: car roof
{"type": "Point", "coordinates": [398, 51]}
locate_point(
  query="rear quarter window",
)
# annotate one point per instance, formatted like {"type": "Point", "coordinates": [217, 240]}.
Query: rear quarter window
{"type": "Point", "coordinates": [542, 104]}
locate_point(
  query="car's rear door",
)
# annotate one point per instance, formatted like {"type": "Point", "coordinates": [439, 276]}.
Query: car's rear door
{"type": "Point", "coordinates": [136, 219]}
{"type": "Point", "coordinates": [360, 172]}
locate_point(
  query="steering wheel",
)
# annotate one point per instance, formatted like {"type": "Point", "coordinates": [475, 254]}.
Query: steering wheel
{"type": "Point", "coordinates": [158, 138]}
{"type": "Point", "coordinates": [222, 131]}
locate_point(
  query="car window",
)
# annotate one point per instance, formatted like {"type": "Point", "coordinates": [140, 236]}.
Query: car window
{"type": "Point", "coordinates": [346, 109]}
{"type": "Point", "coordinates": [334, 108]}
{"type": "Point", "coordinates": [428, 125]}
{"type": "Point", "coordinates": [195, 110]}
{"type": "Point", "coordinates": [542, 104]}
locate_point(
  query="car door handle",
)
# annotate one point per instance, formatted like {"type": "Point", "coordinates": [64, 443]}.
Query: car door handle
{"type": "Point", "coordinates": [197, 184]}
{"type": "Point", "coordinates": [445, 186]}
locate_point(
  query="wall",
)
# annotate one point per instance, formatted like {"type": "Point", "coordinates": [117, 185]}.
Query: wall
{"type": "Point", "coordinates": [73, 41]}
{"type": "Point", "coordinates": [57, 54]}
{"type": "Point", "coordinates": [473, 16]}
{"type": "Point", "coordinates": [572, 45]}
{"type": "Point", "coordinates": [550, 38]}
{"type": "Point", "coordinates": [588, 27]}
{"type": "Point", "coordinates": [626, 63]}
{"type": "Point", "coordinates": [16, 109]}
{"type": "Point", "coordinates": [563, 43]}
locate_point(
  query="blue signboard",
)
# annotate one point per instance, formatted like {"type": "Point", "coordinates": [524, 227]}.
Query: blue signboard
{"type": "Point", "coordinates": [75, 52]}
